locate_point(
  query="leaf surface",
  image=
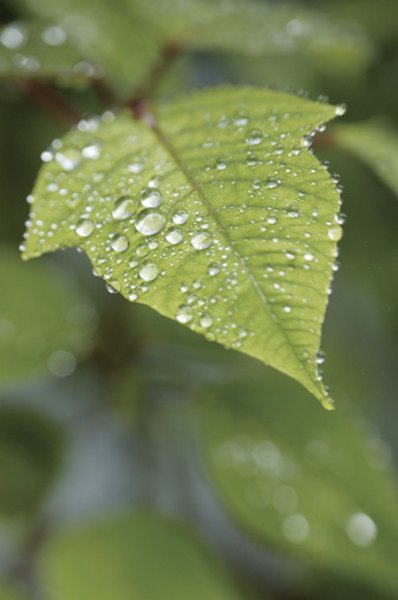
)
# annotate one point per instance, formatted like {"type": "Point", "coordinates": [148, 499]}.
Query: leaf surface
{"type": "Point", "coordinates": [315, 485]}
{"type": "Point", "coordinates": [376, 144]}
{"type": "Point", "coordinates": [43, 322]}
{"type": "Point", "coordinates": [217, 215]}
{"type": "Point", "coordinates": [141, 556]}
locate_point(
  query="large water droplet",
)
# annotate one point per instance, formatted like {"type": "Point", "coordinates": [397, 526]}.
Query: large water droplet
{"type": "Point", "coordinates": [84, 228]}
{"type": "Point", "coordinates": [148, 271]}
{"type": "Point", "coordinates": [119, 243]}
{"type": "Point", "coordinates": [150, 222]}
{"type": "Point", "coordinates": [174, 236]}
{"type": "Point", "coordinates": [206, 321]}
{"type": "Point", "coordinates": [123, 208]}
{"type": "Point", "coordinates": [254, 137]}
{"type": "Point", "coordinates": [201, 241]}
{"type": "Point", "coordinates": [151, 198]}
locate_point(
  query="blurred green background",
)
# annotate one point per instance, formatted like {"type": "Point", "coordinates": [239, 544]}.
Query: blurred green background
{"type": "Point", "coordinates": [138, 460]}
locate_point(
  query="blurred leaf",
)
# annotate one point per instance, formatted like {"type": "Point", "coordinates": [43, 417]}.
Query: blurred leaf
{"type": "Point", "coordinates": [379, 19]}
{"type": "Point", "coordinates": [376, 144]}
{"type": "Point", "coordinates": [9, 593]}
{"type": "Point", "coordinates": [125, 37]}
{"type": "Point", "coordinates": [30, 454]}
{"type": "Point", "coordinates": [217, 216]}
{"type": "Point", "coordinates": [301, 480]}
{"type": "Point", "coordinates": [43, 322]}
{"type": "Point", "coordinates": [31, 50]}
{"type": "Point", "coordinates": [142, 556]}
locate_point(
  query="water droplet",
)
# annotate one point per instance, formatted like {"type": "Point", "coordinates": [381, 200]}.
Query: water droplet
{"type": "Point", "coordinates": [290, 255]}
{"type": "Point", "coordinates": [293, 214]}
{"type": "Point", "coordinates": [92, 151]}
{"type": "Point", "coordinates": [136, 168]}
{"type": "Point", "coordinates": [296, 528]}
{"type": "Point", "coordinates": [254, 137]}
{"type": "Point", "coordinates": [84, 228]}
{"type": "Point", "coordinates": [361, 529]}
{"type": "Point", "coordinates": [132, 296]}
{"type": "Point", "coordinates": [308, 256]}
{"type": "Point", "coordinates": [206, 321]}
{"type": "Point", "coordinates": [68, 159]}
{"type": "Point", "coordinates": [174, 236]}
{"type": "Point", "coordinates": [335, 233]}
{"type": "Point", "coordinates": [214, 269]}
{"type": "Point", "coordinates": [180, 217]}
{"type": "Point", "coordinates": [287, 309]}
{"type": "Point", "coordinates": [150, 222]}
{"type": "Point", "coordinates": [184, 314]}
{"type": "Point", "coordinates": [272, 183]}
{"type": "Point", "coordinates": [119, 243]}
{"type": "Point", "coordinates": [340, 110]}
{"type": "Point", "coordinates": [151, 197]}
{"type": "Point", "coordinates": [123, 208]}
{"type": "Point", "coordinates": [221, 164]}
{"type": "Point", "coordinates": [201, 241]}
{"type": "Point", "coordinates": [148, 271]}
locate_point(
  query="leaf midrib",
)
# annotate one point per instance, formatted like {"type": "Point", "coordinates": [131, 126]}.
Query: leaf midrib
{"type": "Point", "coordinates": [169, 148]}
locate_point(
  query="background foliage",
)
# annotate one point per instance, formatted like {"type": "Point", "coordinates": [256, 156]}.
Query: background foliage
{"type": "Point", "coordinates": [128, 441]}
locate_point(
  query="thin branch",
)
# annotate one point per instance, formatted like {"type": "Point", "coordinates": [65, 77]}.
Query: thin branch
{"type": "Point", "coordinates": [156, 73]}
{"type": "Point", "coordinates": [51, 101]}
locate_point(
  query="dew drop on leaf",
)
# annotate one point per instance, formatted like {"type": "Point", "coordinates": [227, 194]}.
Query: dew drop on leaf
{"type": "Point", "coordinates": [84, 228]}
{"type": "Point", "coordinates": [119, 243]}
{"type": "Point", "coordinates": [151, 198]}
{"type": "Point", "coordinates": [180, 217]}
{"type": "Point", "coordinates": [123, 208]}
{"type": "Point", "coordinates": [150, 222]}
{"type": "Point", "coordinates": [174, 236]}
{"type": "Point", "coordinates": [148, 271]}
{"type": "Point", "coordinates": [201, 241]}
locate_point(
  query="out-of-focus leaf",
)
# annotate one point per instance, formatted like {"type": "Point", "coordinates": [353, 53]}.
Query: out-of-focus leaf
{"type": "Point", "coordinates": [376, 144]}
{"type": "Point", "coordinates": [30, 50]}
{"type": "Point", "coordinates": [301, 480]}
{"type": "Point", "coordinates": [379, 19]}
{"type": "Point", "coordinates": [142, 556]}
{"type": "Point", "coordinates": [217, 216]}
{"type": "Point", "coordinates": [9, 593]}
{"type": "Point", "coordinates": [125, 37]}
{"type": "Point", "coordinates": [43, 322]}
{"type": "Point", "coordinates": [30, 453]}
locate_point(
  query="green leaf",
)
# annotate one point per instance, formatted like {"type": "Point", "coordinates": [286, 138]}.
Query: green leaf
{"type": "Point", "coordinates": [216, 215]}
{"type": "Point", "coordinates": [301, 481]}
{"type": "Point", "coordinates": [30, 456]}
{"type": "Point", "coordinates": [125, 37]}
{"type": "Point", "coordinates": [43, 322]}
{"type": "Point", "coordinates": [42, 49]}
{"type": "Point", "coordinates": [374, 142]}
{"type": "Point", "coordinates": [141, 556]}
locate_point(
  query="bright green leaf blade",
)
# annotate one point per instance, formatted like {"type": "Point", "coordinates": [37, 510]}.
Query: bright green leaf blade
{"type": "Point", "coordinates": [142, 556]}
{"type": "Point", "coordinates": [219, 216]}
{"type": "Point", "coordinates": [302, 481]}
{"type": "Point", "coordinates": [43, 323]}
{"type": "Point", "coordinates": [29, 50]}
{"type": "Point", "coordinates": [376, 144]}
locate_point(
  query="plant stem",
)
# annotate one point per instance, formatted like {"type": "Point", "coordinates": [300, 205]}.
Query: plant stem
{"type": "Point", "coordinates": [52, 102]}
{"type": "Point", "coordinates": [145, 89]}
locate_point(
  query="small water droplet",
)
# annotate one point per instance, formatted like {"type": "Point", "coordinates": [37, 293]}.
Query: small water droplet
{"type": "Point", "coordinates": [184, 314]}
{"type": "Point", "coordinates": [214, 269]}
{"type": "Point", "coordinates": [150, 222]}
{"type": "Point", "coordinates": [272, 183]}
{"type": "Point", "coordinates": [123, 208]}
{"type": "Point", "coordinates": [119, 243]}
{"type": "Point", "coordinates": [206, 321]}
{"type": "Point", "coordinates": [68, 159]}
{"type": "Point", "coordinates": [201, 241]}
{"type": "Point", "coordinates": [254, 137]}
{"type": "Point", "coordinates": [84, 228]}
{"type": "Point", "coordinates": [221, 164]}
{"type": "Point", "coordinates": [335, 233]}
{"type": "Point", "coordinates": [151, 197]}
{"type": "Point", "coordinates": [148, 271]}
{"type": "Point", "coordinates": [293, 213]}
{"type": "Point", "coordinates": [340, 110]}
{"type": "Point", "coordinates": [308, 256]}
{"type": "Point", "coordinates": [92, 151]}
{"type": "Point", "coordinates": [180, 217]}
{"type": "Point", "coordinates": [174, 236]}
